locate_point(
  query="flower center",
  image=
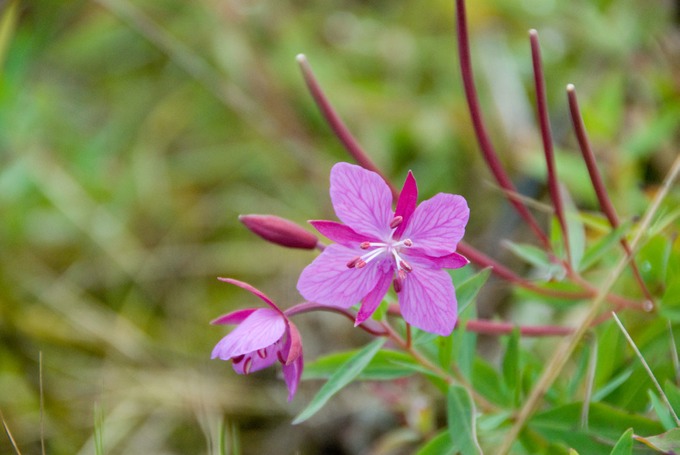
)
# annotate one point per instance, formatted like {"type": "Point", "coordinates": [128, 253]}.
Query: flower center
{"type": "Point", "coordinates": [392, 248]}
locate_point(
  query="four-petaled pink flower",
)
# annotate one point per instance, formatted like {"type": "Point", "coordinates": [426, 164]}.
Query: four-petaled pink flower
{"type": "Point", "coordinates": [377, 246]}
{"type": "Point", "coordinates": [263, 336]}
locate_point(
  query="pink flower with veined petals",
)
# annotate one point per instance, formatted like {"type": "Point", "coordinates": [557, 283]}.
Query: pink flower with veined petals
{"type": "Point", "coordinates": [377, 246]}
{"type": "Point", "coordinates": [263, 336]}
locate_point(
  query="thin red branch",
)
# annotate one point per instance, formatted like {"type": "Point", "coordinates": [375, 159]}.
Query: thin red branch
{"type": "Point", "coordinates": [546, 136]}
{"type": "Point", "coordinates": [488, 151]}
{"type": "Point", "coordinates": [335, 122]}
{"type": "Point", "coordinates": [600, 190]}
{"type": "Point", "coordinates": [501, 271]}
{"type": "Point", "coordinates": [503, 328]}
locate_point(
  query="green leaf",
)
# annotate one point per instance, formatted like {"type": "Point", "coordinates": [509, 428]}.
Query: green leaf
{"type": "Point", "coordinates": [662, 412]}
{"type": "Point", "coordinates": [386, 365]}
{"type": "Point", "coordinates": [605, 422]}
{"type": "Point", "coordinates": [439, 445]}
{"type": "Point", "coordinates": [460, 413]}
{"type": "Point", "coordinates": [624, 446]}
{"type": "Point", "coordinates": [529, 253]}
{"type": "Point", "coordinates": [486, 381]}
{"type": "Point", "coordinates": [511, 367]}
{"type": "Point", "coordinates": [603, 246]}
{"type": "Point", "coordinates": [662, 221]}
{"type": "Point", "coordinates": [612, 385]}
{"type": "Point", "coordinates": [673, 395]}
{"type": "Point", "coordinates": [345, 374]}
{"type": "Point", "coordinates": [468, 289]}
{"type": "Point", "coordinates": [668, 442]}
{"type": "Point", "coordinates": [465, 293]}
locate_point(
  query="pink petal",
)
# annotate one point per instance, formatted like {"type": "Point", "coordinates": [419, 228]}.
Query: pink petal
{"type": "Point", "coordinates": [235, 317]}
{"type": "Point", "coordinates": [329, 281]}
{"type": "Point", "coordinates": [256, 361]}
{"type": "Point", "coordinates": [361, 199]}
{"type": "Point", "coordinates": [262, 328]}
{"type": "Point", "coordinates": [339, 233]}
{"type": "Point", "coordinates": [254, 291]}
{"type": "Point", "coordinates": [279, 231]}
{"type": "Point", "coordinates": [408, 199]}
{"type": "Point", "coordinates": [291, 374]}
{"type": "Point", "coordinates": [293, 348]}
{"type": "Point", "coordinates": [438, 224]}
{"type": "Point", "coordinates": [428, 300]}
{"type": "Point", "coordinates": [450, 261]}
{"type": "Point", "coordinates": [373, 299]}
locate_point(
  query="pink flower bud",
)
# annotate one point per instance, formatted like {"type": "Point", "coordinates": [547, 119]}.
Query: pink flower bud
{"type": "Point", "coordinates": [280, 231]}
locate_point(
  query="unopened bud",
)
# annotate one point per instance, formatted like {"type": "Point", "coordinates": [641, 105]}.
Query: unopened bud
{"type": "Point", "coordinates": [279, 231]}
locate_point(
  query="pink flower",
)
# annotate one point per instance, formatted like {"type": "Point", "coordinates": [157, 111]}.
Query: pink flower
{"type": "Point", "coordinates": [376, 246]}
{"type": "Point", "coordinates": [263, 336]}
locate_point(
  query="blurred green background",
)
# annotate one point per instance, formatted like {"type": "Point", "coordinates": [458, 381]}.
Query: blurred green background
{"type": "Point", "coordinates": [133, 133]}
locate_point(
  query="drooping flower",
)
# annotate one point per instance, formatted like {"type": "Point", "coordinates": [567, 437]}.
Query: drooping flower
{"type": "Point", "coordinates": [262, 336]}
{"type": "Point", "coordinates": [376, 246]}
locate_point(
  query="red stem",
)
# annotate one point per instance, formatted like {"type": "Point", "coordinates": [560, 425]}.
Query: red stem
{"type": "Point", "coordinates": [546, 136]}
{"type": "Point", "coordinates": [479, 326]}
{"type": "Point", "coordinates": [485, 144]}
{"type": "Point", "coordinates": [501, 271]}
{"type": "Point", "coordinates": [337, 125]}
{"type": "Point", "coordinates": [600, 190]}
{"type": "Point", "coordinates": [502, 328]}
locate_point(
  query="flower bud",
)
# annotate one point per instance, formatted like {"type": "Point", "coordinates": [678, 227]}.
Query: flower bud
{"type": "Point", "coordinates": [280, 231]}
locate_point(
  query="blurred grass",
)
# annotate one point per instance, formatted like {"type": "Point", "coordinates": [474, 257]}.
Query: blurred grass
{"type": "Point", "coordinates": [134, 132]}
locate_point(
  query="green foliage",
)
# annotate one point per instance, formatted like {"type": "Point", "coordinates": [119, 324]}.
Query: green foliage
{"type": "Point", "coordinates": [605, 425]}
{"type": "Point", "coordinates": [624, 446]}
{"type": "Point", "coordinates": [385, 365]}
{"type": "Point", "coordinates": [460, 414]}
{"type": "Point", "coordinates": [343, 375]}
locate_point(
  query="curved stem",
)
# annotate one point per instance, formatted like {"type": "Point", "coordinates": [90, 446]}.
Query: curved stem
{"type": "Point", "coordinates": [485, 145]}
{"type": "Point", "coordinates": [369, 326]}
{"type": "Point", "coordinates": [589, 291]}
{"type": "Point", "coordinates": [337, 125]}
{"type": "Point", "coordinates": [600, 190]}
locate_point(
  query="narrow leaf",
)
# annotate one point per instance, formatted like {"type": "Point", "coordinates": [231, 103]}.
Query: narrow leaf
{"type": "Point", "coordinates": [461, 418]}
{"type": "Point", "coordinates": [466, 292]}
{"type": "Point", "coordinates": [538, 258]}
{"type": "Point", "coordinates": [439, 445]}
{"type": "Point", "coordinates": [468, 289]}
{"type": "Point", "coordinates": [624, 446]}
{"type": "Point", "coordinates": [603, 246]}
{"type": "Point", "coordinates": [662, 412]}
{"type": "Point", "coordinates": [511, 368]}
{"type": "Point", "coordinates": [576, 230]}
{"type": "Point", "coordinates": [345, 374]}
{"type": "Point", "coordinates": [384, 366]}
{"type": "Point", "coordinates": [668, 442]}
{"type": "Point", "coordinates": [673, 395]}
{"type": "Point", "coordinates": [612, 385]}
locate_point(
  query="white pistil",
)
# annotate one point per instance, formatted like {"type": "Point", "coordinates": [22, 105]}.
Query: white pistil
{"type": "Point", "coordinates": [403, 267]}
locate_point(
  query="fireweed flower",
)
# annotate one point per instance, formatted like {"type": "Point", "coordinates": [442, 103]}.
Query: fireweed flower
{"type": "Point", "coordinates": [262, 336]}
{"type": "Point", "coordinates": [376, 247]}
